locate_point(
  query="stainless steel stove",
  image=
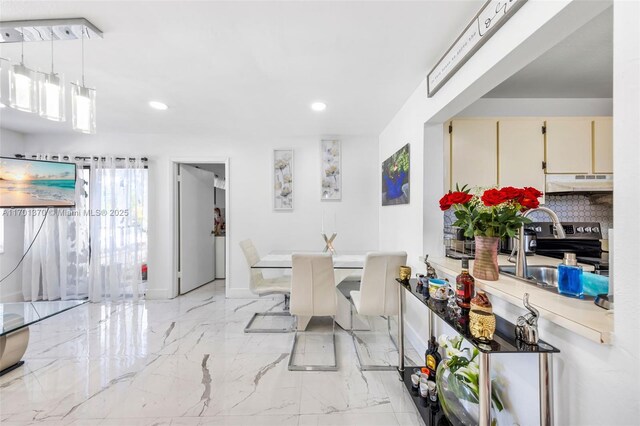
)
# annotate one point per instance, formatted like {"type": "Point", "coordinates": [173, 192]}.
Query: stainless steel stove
{"type": "Point", "coordinates": [583, 239]}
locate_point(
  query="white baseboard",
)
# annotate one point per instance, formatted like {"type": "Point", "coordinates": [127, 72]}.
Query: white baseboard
{"type": "Point", "coordinates": [240, 293]}
{"type": "Point", "coordinates": [158, 294]}
{"type": "Point", "coordinates": [14, 296]}
{"type": "Point", "coordinates": [415, 339]}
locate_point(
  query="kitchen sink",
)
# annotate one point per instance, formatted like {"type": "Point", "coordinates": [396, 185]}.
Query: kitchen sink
{"type": "Point", "coordinates": [545, 277]}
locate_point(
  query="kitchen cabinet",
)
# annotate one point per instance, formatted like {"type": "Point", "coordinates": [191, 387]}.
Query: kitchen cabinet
{"type": "Point", "coordinates": [521, 153]}
{"type": "Point", "coordinates": [568, 145]}
{"type": "Point", "coordinates": [603, 145]}
{"type": "Point", "coordinates": [473, 153]}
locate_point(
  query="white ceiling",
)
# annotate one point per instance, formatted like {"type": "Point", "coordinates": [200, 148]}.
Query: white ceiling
{"type": "Point", "coordinates": [580, 66]}
{"type": "Point", "coordinates": [244, 68]}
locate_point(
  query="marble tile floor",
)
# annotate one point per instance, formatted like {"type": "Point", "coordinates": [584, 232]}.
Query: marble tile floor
{"type": "Point", "coordinates": [187, 361]}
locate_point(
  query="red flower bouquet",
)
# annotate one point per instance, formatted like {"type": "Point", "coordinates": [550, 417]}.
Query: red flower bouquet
{"type": "Point", "coordinates": [494, 213]}
{"type": "Point", "coordinates": [490, 216]}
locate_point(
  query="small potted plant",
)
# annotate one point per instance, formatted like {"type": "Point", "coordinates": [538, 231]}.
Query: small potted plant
{"type": "Point", "coordinates": [489, 217]}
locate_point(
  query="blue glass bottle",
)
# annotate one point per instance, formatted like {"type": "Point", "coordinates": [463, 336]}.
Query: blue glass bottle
{"type": "Point", "coordinates": [570, 277]}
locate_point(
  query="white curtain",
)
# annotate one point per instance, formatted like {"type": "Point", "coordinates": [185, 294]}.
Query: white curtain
{"type": "Point", "coordinates": [57, 266]}
{"type": "Point", "coordinates": [118, 201]}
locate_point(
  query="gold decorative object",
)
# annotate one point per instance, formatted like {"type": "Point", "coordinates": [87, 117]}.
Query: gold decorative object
{"type": "Point", "coordinates": [482, 325]}
{"type": "Point", "coordinates": [405, 273]}
{"type": "Point", "coordinates": [481, 302]}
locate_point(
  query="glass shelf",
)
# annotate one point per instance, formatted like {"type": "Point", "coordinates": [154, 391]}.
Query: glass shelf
{"type": "Point", "coordinates": [504, 339]}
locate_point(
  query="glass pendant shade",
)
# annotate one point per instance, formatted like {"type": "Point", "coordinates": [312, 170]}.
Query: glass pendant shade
{"type": "Point", "coordinates": [23, 91]}
{"type": "Point", "coordinates": [83, 107]}
{"type": "Point", "coordinates": [51, 96]}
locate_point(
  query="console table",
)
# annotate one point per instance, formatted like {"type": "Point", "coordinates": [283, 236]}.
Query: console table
{"type": "Point", "coordinates": [15, 319]}
{"type": "Point", "coordinates": [504, 342]}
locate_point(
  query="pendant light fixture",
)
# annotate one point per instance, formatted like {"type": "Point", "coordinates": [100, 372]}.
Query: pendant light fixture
{"type": "Point", "coordinates": [83, 103]}
{"type": "Point", "coordinates": [51, 93]}
{"type": "Point", "coordinates": [22, 85]}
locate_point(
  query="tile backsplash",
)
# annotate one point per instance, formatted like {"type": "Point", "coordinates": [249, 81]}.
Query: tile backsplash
{"type": "Point", "coordinates": [570, 208]}
{"type": "Point", "coordinates": [580, 208]}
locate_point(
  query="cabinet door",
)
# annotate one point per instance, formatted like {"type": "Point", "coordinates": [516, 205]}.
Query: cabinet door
{"type": "Point", "coordinates": [521, 153]}
{"type": "Point", "coordinates": [603, 145]}
{"type": "Point", "coordinates": [474, 149]}
{"type": "Point", "coordinates": [568, 146]}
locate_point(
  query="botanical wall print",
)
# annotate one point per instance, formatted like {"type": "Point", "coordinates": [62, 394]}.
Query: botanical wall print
{"type": "Point", "coordinates": [395, 178]}
{"type": "Point", "coordinates": [331, 170]}
{"type": "Point", "coordinates": [283, 179]}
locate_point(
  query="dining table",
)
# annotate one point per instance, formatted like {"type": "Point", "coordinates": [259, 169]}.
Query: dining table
{"type": "Point", "coordinates": [347, 265]}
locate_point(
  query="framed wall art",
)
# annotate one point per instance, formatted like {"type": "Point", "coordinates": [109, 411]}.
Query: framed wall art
{"type": "Point", "coordinates": [395, 178]}
{"type": "Point", "coordinates": [331, 173]}
{"type": "Point", "coordinates": [282, 179]}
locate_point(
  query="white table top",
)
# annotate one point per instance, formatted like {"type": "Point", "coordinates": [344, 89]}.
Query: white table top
{"type": "Point", "coordinates": [282, 260]}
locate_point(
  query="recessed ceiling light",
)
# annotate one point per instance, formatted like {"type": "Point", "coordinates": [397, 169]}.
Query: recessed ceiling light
{"type": "Point", "coordinates": [158, 105]}
{"type": "Point", "coordinates": [318, 106]}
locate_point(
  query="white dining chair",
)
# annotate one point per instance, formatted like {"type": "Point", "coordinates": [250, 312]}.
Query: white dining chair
{"type": "Point", "coordinates": [262, 286]}
{"type": "Point", "coordinates": [313, 294]}
{"type": "Point", "coordinates": [378, 295]}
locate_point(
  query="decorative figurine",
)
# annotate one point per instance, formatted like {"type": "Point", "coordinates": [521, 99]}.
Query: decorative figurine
{"type": "Point", "coordinates": [480, 302]}
{"type": "Point", "coordinates": [527, 324]}
{"type": "Point", "coordinates": [482, 325]}
{"type": "Point", "coordinates": [405, 274]}
{"type": "Point", "coordinates": [431, 272]}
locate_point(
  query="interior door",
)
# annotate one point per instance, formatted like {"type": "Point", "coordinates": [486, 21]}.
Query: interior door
{"type": "Point", "coordinates": [197, 243]}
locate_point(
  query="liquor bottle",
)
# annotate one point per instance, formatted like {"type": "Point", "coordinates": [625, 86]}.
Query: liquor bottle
{"type": "Point", "coordinates": [432, 358]}
{"type": "Point", "coordinates": [465, 285]}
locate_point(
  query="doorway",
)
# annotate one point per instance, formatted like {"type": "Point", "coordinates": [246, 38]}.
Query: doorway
{"type": "Point", "coordinates": [201, 223]}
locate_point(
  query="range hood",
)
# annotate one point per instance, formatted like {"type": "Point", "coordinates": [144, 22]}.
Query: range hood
{"type": "Point", "coordinates": [572, 184]}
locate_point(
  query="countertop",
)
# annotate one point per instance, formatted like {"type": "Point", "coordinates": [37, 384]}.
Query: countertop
{"type": "Point", "coordinates": [579, 316]}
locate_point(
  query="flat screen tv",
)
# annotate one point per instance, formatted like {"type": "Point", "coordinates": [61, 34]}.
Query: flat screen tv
{"type": "Point", "coordinates": [34, 183]}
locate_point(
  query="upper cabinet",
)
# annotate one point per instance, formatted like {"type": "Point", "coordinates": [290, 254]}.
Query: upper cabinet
{"type": "Point", "coordinates": [511, 151]}
{"type": "Point", "coordinates": [521, 153]}
{"type": "Point", "coordinates": [569, 145]}
{"type": "Point", "coordinates": [473, 153]}
{"type": "Point", "coordinates": [603, 145]}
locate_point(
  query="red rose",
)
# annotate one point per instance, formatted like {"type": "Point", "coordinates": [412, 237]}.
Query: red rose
{"type": "Point", "coordinates": [459, 197]}
{"type": "Point", "coordinates": [445, 203]}
{"type": "Point", "coordinates": [452, 198]}
{"type": "Point", "coordinates": [529, 198]}
{"type": "Point", "coordinates": [492, 197]}
{"type": "Point", "coordinates": [532, 191]}
{"type": "Point", "coordinates": [511, 193]}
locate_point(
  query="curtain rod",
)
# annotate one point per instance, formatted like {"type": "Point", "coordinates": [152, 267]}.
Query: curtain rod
{"type": "Point", "coordinates": [66, 157]}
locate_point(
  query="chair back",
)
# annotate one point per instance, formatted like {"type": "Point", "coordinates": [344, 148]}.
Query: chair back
{"type": "Point", "coordinates": [378, 288]}
{"type": "Point", "coordinates": [252, 257]}
{"type": "Point", "coordinates": [313, 285]}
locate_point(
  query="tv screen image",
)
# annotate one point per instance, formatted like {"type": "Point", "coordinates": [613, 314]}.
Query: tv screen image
{"type": "Point", "coordinates": [34, 183]}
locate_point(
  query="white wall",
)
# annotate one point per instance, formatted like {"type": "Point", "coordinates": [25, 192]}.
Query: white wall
{"type": "Point", "coordinates": [594, 384]}
{"type": "Point", "coordinates": [249, 213]}
{"type": "Point", "coordinates": [10, 290]}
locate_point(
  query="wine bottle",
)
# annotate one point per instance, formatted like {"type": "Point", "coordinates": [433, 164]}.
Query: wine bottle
{"type": "Point", "coordinates": [432, 358]}
{"type": "Point", "coordinates": [465, 286]}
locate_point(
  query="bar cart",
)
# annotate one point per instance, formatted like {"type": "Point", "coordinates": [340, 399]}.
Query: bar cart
{"type": "Point", "coordinates": [504, 342]}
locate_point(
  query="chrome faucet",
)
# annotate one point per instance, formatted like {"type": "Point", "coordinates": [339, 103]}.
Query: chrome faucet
{"type": "Point", "coordinates": [558, 232]}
